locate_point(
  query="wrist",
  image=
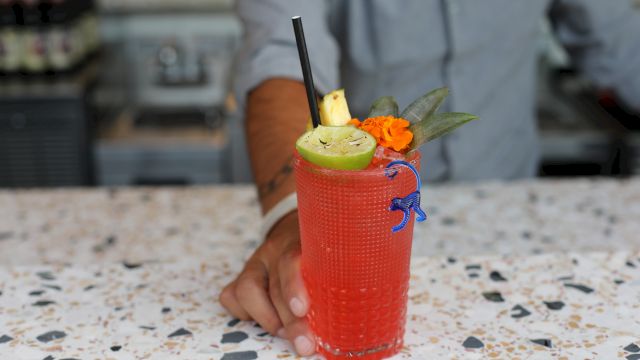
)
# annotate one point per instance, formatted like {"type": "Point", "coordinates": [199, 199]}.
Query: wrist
{"type": "Point", "coordinates": [285, 234]}
{"type": "Point", "coordinates": [278, 212]}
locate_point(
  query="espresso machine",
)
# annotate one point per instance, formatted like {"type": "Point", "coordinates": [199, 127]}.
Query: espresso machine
{"type": "Point", "coordinates": [174, 119]}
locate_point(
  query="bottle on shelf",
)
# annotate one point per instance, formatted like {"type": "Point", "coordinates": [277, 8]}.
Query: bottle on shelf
{"type": "Point", "coordinates": [47, 36]}
{"type": "Point", "coordinates": [34, 45]}
{"type": "Point", "coordinates": [60, 38]}
{"type": "Point", "coordinates": [10, 37]}
{"type": "Point", "coordinates": [88, 23]}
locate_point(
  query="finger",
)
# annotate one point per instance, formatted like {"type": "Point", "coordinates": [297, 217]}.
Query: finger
{"type": "Point", "coordinates": [251, 292]}
{"type": "Point", "coordinates": [291, 283]}
{"type": "Point", "coordinates": [286, 316]}
{"type": "Point", "coordinates": [229, 301]}
{"type": "Point", "coordinates": [301, 337]}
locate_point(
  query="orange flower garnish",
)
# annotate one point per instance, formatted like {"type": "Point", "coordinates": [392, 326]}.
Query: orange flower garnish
{"type": "Point", "coordinates": [354, 122]}
{"type": "Point", "coordinates": [390, 132]}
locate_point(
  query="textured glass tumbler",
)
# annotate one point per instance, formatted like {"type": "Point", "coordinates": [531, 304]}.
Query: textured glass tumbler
{"type": "Point", "coordinates": [355, 268]}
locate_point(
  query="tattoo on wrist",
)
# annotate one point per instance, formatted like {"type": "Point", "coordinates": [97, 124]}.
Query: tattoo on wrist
{"type": "Point", "coordinates": [277, 180]}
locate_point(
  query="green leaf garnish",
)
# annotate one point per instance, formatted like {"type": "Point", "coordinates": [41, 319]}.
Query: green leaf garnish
{"type": "Point", "coordinates": [437, 125]}
{"type": "Point", "coordinates": [425, 106]}
{"type": "Point", "coordinates": [384, 106]}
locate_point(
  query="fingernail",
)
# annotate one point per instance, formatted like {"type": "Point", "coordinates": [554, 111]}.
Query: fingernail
{"type": "Point", "coordinates": [281, 333]}
{"type": "Point", "coordinates": [303, 345]}
{"type": "Point", "coordinates": [297, 307]}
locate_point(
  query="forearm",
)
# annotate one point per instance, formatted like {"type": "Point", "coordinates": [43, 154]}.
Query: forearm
{"type": "Point", "coordinates": [277, 113]}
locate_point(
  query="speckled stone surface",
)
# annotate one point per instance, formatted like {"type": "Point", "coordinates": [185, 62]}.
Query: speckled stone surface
{"type": "Point", "coordinates": [529, 270]}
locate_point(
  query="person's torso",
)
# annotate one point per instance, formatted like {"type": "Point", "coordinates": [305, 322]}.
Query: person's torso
{"type": "Point", "coordinates": [484, 51]}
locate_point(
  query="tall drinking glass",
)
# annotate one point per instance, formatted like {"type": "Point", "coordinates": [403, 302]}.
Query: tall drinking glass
{"type": "Point", "coordinates": [355, 268]}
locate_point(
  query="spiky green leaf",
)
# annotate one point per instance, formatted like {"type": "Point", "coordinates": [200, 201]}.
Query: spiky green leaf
{"type": "Point", "coordinates": [425, 106]}
{"type": "Point", "coordinates": [384, 106]}
{"type": "Point", "coordinates": [437, 125]}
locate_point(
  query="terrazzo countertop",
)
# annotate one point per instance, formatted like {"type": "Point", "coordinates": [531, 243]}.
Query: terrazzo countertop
{"type": "Point", "coordinates": [527, 270]}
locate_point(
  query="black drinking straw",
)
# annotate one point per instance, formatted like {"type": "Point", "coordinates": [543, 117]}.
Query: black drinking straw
{"type": "Point", "coordinates": [306, 70]}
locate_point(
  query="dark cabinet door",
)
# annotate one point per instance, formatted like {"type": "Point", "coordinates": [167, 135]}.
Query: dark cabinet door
{"type": "Point", "coordinates": [45, 143]}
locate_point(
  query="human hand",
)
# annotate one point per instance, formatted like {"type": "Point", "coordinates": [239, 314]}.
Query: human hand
{"type": "Point", "coordinates": [270, 289]}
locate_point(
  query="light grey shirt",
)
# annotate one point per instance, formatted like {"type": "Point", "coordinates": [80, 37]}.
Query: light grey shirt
{"type": "Point", "coordinates": [484, 51]}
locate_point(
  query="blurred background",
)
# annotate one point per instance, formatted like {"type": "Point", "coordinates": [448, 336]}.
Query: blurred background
{"type": "Point", "coordinates": [138, 92]}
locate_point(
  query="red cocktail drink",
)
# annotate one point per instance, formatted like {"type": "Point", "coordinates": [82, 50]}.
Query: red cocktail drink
{"type": "Point", "coordinates": [356, 269]}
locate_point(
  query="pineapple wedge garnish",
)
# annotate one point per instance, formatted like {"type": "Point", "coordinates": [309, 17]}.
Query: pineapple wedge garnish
{"type": "Point", "coordinates": [334, 110]}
